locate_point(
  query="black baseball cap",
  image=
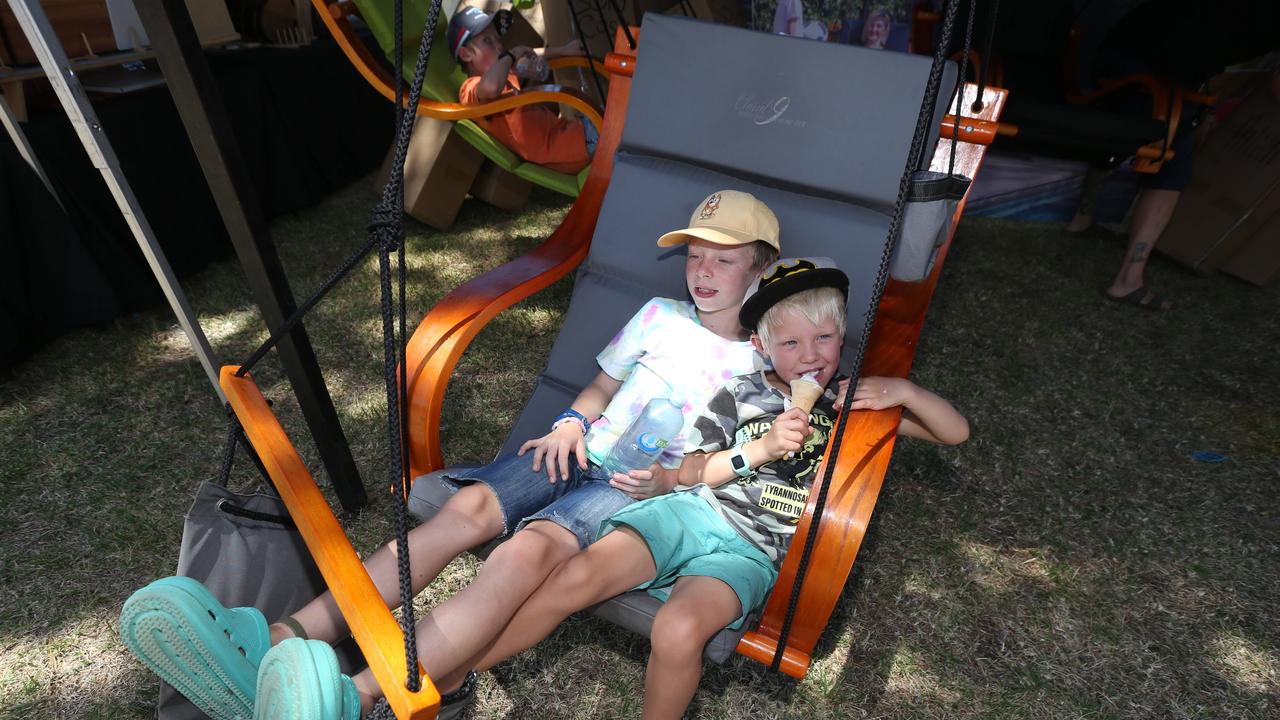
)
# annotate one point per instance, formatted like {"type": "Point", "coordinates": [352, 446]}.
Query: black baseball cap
{"type": "Point", "coordinates": [785, 278]}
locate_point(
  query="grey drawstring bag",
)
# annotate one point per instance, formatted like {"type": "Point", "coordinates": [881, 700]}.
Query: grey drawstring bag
{"type": "Point", "coordinates": [248, 552]}
{"type": "Point", "coordinates": [932, 198]}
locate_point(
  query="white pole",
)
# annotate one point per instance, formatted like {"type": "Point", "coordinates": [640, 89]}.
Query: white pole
{"type": "Point", "coordinates": [35, 25]}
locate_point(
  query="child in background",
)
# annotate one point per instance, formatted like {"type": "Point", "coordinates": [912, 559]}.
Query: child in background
{"type": "Point", "coordinates": [533, 132]}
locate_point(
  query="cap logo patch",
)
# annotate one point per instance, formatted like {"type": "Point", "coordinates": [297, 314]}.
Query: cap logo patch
{"type": "Point", "coordinates": [710, 207]}
{"type": "Point", "coordinates": [785, 271]}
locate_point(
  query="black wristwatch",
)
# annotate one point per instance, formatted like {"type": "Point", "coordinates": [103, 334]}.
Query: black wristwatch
{"type": "Point", "coordinates": [507, 53]}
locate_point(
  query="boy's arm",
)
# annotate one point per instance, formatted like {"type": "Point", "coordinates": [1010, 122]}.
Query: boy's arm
{"type": "Point", "coordinates": [925, 415]}
{"type": "Point", "coordinates": [568, 437]}
{"type": "Point", "coordinates": [786, 435]}
{"type": "Point", "coordinates": [495, 78]}
{"type": "Point", "coordinates": [573, 48]}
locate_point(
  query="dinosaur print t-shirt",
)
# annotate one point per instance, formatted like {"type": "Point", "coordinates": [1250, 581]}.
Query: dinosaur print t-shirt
{"type": "Point", "coordinates": [765, 507]}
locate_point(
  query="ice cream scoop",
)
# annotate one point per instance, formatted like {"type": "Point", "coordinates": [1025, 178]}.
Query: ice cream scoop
{"type": "Point", "coordinates": [805, 391]}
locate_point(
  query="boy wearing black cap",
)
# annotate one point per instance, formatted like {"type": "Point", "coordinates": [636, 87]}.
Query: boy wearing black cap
{"type": "Point", "coordinates": [533, 132]}
{"type": "Point", "coordinates": [712, 548]}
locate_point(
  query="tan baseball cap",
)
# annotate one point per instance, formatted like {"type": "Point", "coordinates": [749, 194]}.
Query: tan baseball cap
{"type": "Point", "coordinates": [728, 217]}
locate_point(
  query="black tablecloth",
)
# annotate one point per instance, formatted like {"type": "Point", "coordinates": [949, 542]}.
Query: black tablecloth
{"type": "Point", "coordinates": [306, 124]}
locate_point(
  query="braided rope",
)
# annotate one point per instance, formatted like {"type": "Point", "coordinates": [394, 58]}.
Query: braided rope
{"type": "Point", "coordinates": [987, 55]}
{"type": "Point", "coordinates": [959, 93]}
{"type": "Point", "coordinates": [318, 295]}
{"type": "Point", "coordinates": [386, 224]}
{"type": "Point", "coordinates": [895, 229]}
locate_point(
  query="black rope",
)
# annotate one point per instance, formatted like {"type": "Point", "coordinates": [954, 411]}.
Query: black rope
{"type": "Point", "coordinates": [582, 39]}
{"type": "Point", "coordinates": [622, 23]}
{"type": "Point", "coordinates": [236, 438]}
{"type": "Point", "coordinates": [278, 334]}
{"type": "Point", "coordinates": [923, 120]}
{"type": "Point", "coordinates": [988, 56]}
{"type": "Point", "coordinates": [387, 226]}
{"type": "Point", "coordinates": [959, 93]}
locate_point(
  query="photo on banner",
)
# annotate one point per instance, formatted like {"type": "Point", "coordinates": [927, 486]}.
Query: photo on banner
{"type": "Point", "coordinates": [877, 24]}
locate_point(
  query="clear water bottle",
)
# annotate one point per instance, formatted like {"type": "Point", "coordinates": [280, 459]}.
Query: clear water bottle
{"type": "Point", "coordinates": [644, 440]}
{"type": "Point", "coordinates": [533, 69]}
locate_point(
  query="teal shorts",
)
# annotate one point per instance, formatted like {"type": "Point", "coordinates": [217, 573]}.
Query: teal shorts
{"type": "Point", "coordinates": [688, 538]}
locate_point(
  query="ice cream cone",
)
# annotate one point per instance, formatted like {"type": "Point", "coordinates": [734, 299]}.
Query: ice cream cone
{"type": "Point", "coordinates": [805, 391]}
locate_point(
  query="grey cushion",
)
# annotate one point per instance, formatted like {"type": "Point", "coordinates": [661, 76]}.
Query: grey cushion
{"type": "Point", "coordinates": [706, 113]}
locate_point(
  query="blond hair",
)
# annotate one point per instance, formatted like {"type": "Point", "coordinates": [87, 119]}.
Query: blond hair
{"type": "Point", "coordinates": [816, 305]}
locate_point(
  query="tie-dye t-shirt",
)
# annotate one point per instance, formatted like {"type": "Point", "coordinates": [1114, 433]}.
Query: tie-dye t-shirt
{"type": "Point", "coordinates": [663, 347]}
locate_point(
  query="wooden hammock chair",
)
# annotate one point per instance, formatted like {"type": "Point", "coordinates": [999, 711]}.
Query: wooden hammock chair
{"type": "Point", "coordinates": [444, 76]}
{"type": "Point", "coordinates": [653, 175]}
{"type": "Point", "coordinates": [640, 185]}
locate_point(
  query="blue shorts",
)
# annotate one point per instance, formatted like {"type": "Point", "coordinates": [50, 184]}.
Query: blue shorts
{"type": "Point", "coordinates": [592, 136]}
{"type": "Point", "coordinates": [579, 504]}
{"type": "Point", "coordinates": [688, 537]}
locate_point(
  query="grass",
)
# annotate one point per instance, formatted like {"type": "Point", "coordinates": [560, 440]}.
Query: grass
{"type": "Point", "coordinates": [1070, 561]}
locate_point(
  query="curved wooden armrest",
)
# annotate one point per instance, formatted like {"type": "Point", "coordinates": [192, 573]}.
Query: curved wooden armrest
{"type": "Point", "coordinates": [529, 96]}
{"type": "Point", "coordinates": [371, 623]}
{"type": "Point", "coordinates": [1157, 88]}
{"type": "Point", "coordinates": [579, 61]}
{"type": "Point", "coordinates": [442, 336]}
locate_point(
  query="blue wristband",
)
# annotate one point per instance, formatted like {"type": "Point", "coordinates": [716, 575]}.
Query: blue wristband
{"type": "Point", "coordinates": [571, 414]}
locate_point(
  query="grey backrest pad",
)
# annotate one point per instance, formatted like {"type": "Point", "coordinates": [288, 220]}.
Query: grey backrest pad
{"type": "Point", "coordinates": [679, 146]}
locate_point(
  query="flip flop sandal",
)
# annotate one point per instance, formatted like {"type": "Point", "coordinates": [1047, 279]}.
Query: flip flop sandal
{"type": "Point", "coordinates": [208, 653]}
{"type": "Point", "coordinates": [300, 680]}
{"type": "Point", "coordinates": [1142, 297]}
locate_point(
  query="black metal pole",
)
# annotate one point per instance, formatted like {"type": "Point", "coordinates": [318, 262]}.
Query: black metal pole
{"type": "Point", "coordinates": [177, 47]}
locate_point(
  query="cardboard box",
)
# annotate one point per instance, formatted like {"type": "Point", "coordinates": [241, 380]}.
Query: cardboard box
{"type": "Point", "coordinates": [500, 188]}
{"type": "Point", "coordinates": [1234, 191]}
{"type": "Point", "coordinates": [1258, 261]}
{"type": "Point", "coordinates": [438, 171]}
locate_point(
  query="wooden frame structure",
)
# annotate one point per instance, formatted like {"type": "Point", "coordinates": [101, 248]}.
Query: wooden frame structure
{"type": "Point", "coordinates": [443, 336]}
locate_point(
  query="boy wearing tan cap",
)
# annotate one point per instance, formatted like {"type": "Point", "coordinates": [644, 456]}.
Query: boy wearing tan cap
{"type": "Point", "coordinates": [689, 347]}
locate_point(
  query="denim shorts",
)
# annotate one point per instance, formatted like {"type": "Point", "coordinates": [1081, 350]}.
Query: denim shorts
{"type": "Point", "coordinates": [688, 537]}
{"type": "Point", "coordinates": [592, 136]}
{"type": "Point", "coordinates": [579, 504]}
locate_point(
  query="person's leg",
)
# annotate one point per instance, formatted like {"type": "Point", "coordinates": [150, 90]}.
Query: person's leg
{"type": "Point", "coordinates": [1151, 214]}
{"type": "Point", "coordinates": [1094, 178]}
{"type": "Point", "coordinates": [611, 566]}
{"type": "Point", "coordinates": [698, 608]}
{"type": "Point", "coordinates": [469, 518]}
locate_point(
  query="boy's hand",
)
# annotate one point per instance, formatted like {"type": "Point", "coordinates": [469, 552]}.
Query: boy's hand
{"type": "Point", "coordinates": [878, 393]}
{"type": "Point", "coordinates": [521, 51]}
{"type": "Point", "coordinates": [555, 447]}
{"type": "Point", "coordinates": [842, 387]}
{"type": "Point", "coordinates": [642, 484]}
{"type": "Point", "coordinates": [787, 434]}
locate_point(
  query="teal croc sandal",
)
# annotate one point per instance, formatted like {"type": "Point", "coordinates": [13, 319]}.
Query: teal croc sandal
{"type": "Point", "coordinates": [300, 680]}
{"type": "Point", "coordinates": [208, 653]}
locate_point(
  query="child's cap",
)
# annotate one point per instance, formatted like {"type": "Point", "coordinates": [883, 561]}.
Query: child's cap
{"type": "Point", "coordinates": [785, 278]}
{"type": "Point", "coordinates": [728, 217]}
{"type": "Point", "coordinates": [465, 24]}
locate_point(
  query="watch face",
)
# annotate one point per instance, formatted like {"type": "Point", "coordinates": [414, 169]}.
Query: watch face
{"type": "Point", "coordinates": [738, 462]}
